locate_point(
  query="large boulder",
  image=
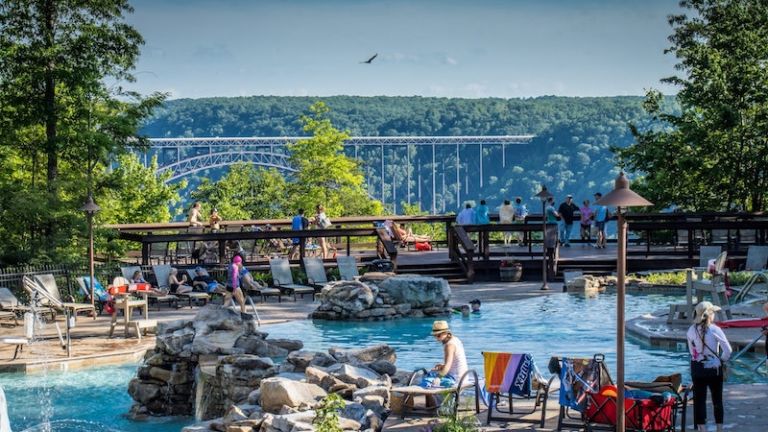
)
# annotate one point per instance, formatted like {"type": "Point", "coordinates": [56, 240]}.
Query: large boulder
{"type": "Point", "coordinates": [364, 355]}
{"type": "Point", "coordinates": [278, 392]}
{"type": "Point", "coordinates": [418, 291]}
{"type": "Point", "coordinates": [352, 374]}
{"type": "Point", "coordinates": [238, 375]}
{"type": "Point", "coordinates": [351, 296]}
{"type": "Point", "coordinates": [173, 343]}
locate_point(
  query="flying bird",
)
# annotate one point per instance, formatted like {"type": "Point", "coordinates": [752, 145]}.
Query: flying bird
{"type": "Point", "coordinates": [370, 60]}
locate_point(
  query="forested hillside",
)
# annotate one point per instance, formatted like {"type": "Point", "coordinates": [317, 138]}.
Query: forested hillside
{"type": "Point", "coordinates": [570, 154]}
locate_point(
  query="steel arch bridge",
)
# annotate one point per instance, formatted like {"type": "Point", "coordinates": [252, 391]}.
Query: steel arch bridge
{"type": "Point", "coordinates": [416, 161]}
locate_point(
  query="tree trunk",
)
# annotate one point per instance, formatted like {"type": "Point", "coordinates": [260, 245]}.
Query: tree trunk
{"type": "Point", "coordinates": [51, 145]}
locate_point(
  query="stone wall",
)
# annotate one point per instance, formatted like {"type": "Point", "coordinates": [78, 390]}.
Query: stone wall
{"type": "Point", "coordinates": [383, 297]}
{"type": "Point", "coordinates": [165, 383]}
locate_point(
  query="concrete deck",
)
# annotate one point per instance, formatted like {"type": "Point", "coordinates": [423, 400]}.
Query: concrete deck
{"type": "Point", "coordinates": [744, 405]}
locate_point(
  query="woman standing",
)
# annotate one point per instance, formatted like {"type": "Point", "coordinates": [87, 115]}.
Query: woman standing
{"type": "Point", "coordinates": [194, 216]}
{"type": "Point", "coordinates": [585, 223]}
{"type": "Point", "coordinates": [234, 282]}
{"type": "Point", "coordinates": [322, 222]}
{"type": "Point", "coordinates": [709, 349]}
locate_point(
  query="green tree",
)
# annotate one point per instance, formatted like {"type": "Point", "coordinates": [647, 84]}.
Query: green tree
{"type": "Point", "coordinates": [59, 115]}
{"type": "Point", "coordinates": [245, 192]}
{"type": "Point", "coordinates": [713, 155]}
{"type": "Point", "coordinates": [325, 175]}
{"type": "Point", "coordinates": [133, 193]}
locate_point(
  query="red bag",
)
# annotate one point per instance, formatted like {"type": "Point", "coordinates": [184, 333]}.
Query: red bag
{"type": "Point", "coordinates": [422, 246]}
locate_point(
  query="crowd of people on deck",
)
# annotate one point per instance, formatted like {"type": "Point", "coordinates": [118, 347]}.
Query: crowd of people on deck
{"type": "Point", "coordinates": [591, 217]}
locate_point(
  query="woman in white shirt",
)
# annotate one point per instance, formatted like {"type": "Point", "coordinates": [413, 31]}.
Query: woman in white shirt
{"type": "Point", "coordinates": [709, 348]}
{"type": "Point", "coordinates": [506, 216]}
{"type": "Point", "coordinates": [322, 222]}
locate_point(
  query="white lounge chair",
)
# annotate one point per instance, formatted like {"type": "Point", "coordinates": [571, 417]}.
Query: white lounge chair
{"type": "Point", "coordinates": [315, 270]}
{"type": "Point", "coordinates": [283, 279]}
{"type": "Point", "coordinates": [44, 286]}
{"type": "Point", "coordinates": [347, 267]}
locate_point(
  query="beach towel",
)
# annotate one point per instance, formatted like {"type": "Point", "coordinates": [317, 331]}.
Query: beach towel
{"type": "Point", "coordinates": [508, 373]}
{"type": "Point", "coordinates": [577, 376]}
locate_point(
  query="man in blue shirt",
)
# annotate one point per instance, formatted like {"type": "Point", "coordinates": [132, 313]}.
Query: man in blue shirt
{"type": "Point", "coordinates": [297, 224]}
{"type": "Point", "coordinates": [601, 217]}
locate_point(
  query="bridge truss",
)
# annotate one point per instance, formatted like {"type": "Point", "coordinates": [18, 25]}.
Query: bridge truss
{"type": "Point", "coordinates": [185, 156]}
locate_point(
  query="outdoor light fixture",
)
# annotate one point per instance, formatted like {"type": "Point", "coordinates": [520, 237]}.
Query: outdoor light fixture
{"type": "Point", "coordinates": [621, 196]}
{"type": "Point", "coordinates": [90, 209]}
{"type": "Point", "coordinates": [544, 195]}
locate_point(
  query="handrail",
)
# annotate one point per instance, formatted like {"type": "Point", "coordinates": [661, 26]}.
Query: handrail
{"type": "Point", "coordinates": [463, 250]}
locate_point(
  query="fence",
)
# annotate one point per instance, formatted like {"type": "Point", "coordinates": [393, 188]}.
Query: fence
{"type": "Point", "coordinates": [65, 275]}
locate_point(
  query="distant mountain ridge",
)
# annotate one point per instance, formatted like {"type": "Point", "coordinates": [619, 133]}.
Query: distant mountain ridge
{"type": "Point", "coordinates": [570, 154]}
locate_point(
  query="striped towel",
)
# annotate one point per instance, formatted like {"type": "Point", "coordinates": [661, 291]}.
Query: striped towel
{"type": "Point", "coordinates": [508, 373]}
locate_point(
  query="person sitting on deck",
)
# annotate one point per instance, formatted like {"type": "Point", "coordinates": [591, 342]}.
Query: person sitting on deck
{"type": "Point", "coordinates": [466, 216]}
{"type": "Point", "coordinates": [178, 285]}
{"type": "Point", "coordinates": [214, 220]}
{"type": "Point", "coordinates": [194, 215]}
{"type": "Point", "coordinates": [482, 215]}
{"type": "Point", "coordinates": [454, 365]}
{"type": "Point", "coordinates": [406, 235]}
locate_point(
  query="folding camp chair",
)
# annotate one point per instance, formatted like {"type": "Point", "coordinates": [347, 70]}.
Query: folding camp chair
{"type": "Point", "coordinates": [315, 270]}
{"type": "Point", "coordinates": [283, 279]}
{"type": "Point", "coordinates": [347, 267]}
{"type": "Point", "coordinates": [467, 381]}
{"type": "Point", "coordinates": [45, 286]}
{"type": "Point", "coordinates": [163, 272]}
{"type": "Point", "coordinates": [643, 413]}
{"type": "Point", "coordinates": [514, 376]}
{"type": "Point", "coordinates": [577, 376]}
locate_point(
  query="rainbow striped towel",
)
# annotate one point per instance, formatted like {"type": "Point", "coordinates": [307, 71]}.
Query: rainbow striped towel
{"type": "Point", "coordinates": [508, 373]}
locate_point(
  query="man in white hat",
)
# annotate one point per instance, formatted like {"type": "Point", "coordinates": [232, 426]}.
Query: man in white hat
{"type": "Point", "coordinates": [709, 349]}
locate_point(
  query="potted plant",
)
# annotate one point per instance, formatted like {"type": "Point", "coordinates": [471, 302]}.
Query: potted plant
{"type": "Point", "coordinates": [510, 270]}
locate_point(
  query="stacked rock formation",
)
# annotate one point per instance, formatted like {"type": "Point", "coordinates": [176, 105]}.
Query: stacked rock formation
{"type": "Point", "coordinates": [166, 382]}
{"type": "Point", "coordinates": [287, 401]}
{"type": "Point", "coordinates": [383, 297]}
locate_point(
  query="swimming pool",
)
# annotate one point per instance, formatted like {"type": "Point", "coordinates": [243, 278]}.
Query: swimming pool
{"type": "Point", "coordinates": [96, 399]}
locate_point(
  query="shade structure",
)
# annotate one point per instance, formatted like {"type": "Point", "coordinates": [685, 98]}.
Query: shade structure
{"type": "Point", "coordinates": [622, 195]}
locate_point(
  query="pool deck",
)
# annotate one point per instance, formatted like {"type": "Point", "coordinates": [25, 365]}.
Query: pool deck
{"type": "Point", "coordinates": [744, 412]}
{"type": "Point", "coordinates": [91, 346]}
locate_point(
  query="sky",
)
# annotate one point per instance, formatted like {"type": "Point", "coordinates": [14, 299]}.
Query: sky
{"type": "Point", "coordinates": [444, 48]}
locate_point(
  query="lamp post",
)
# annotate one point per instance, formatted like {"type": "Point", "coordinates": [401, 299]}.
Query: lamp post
{"type": "Point", "coordinates": [621, 196]}
{"type": "Point", "coordinates": [90, 208]}
{"type": "Point", "coordinates": [544, 195]}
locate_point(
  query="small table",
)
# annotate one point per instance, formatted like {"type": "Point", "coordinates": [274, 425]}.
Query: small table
{"type": "Point", "coordinates": [127, 304]}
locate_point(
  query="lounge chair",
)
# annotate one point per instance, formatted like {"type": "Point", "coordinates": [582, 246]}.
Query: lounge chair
{"type": "Point", "coordinates": [9, 303]}
{"type": "Point", "coordinates": [315, 273]}
{"type": "Point", "coordinates": [163, 272]}
{"type": "Point", "coordinates": [757, 257]}
{"type": "Point", "coordinates": [9, 316]}
{"type": "Point", "coordinates": [467, 381]}
{"type": "Point", "coordinates": [101, 295]}
{"type": "Point", "coordinates": [154, 296]}
{"type": "Point", "coordinates": [577, 376]}
{"type": "Point", "coordinates": [707, 253]}
{"type": "Point", "coordinates": [283, 279]}
{"type": "Point", "coordinates": [347, 267]}
{"type": "Point", "coordinates": [514, 376]}
{"type": "Point", "coordinates": [20, 342]}
{"type": "Point", "coordinates": [44, 288]}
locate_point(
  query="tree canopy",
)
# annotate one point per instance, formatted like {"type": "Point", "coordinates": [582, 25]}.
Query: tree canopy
{"type": "Point", "coordinates": [713, 154]}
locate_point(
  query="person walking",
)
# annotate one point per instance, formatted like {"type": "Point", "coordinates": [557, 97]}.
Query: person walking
{"type": "Point", "coordinates": [709, 349]}
{"type": "Point", "coordinates": [585, 223]}
{"type": "Point", "coordinates": [567, 213]}
{"type": "Point", "coordinates": [507, 216]}
{"type": "Point", "coordinates": [322, 222]}
{"type": "Point", "coordinates": [601, 217]}
{"type": "Point", "coordinates": [298, 223]}
{"type": "Point", "coordinates": [234, 286]}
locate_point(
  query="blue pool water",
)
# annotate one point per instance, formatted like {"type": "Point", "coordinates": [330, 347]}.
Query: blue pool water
{"type": "Point", "coordinates": [96, 399]}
